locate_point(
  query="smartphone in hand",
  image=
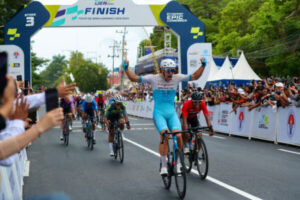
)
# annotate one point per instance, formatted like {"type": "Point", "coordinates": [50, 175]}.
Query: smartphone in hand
{"type": "Point", "coordinates": [3, 70]}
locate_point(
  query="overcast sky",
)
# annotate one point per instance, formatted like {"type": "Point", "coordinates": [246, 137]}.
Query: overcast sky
{"type": "Point", "coordinates": [92, 42]}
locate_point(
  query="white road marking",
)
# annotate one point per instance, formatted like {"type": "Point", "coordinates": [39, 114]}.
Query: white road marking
{"type": "Point", "coordinates": [219, 137]}
{"type": "Point", "coordinates": [132, 118]}
{"type": "Point", "coordinates": [142, 124]}
{"type": "Point", "coordinates": [211, 179]}
{"type": "Point", "coordinates": [142, 129]}
{"type": "Point", "coordinates": [293, 152]}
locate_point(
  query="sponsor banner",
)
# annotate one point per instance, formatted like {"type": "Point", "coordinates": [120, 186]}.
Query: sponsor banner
{"type": "Point", "coordinates": [22, 26]}
{"type": "Point", "coordinates": [15, 60]}
{"type": "Point", "coordinates": [264, 124]}
{"type": "Point", "coordinates": [241, 122]}
{"type": "Point", "coordinates": [140, 109]}
{"type": "Point", "coordinates": [194, 54]}
{"type": "Point", "coordinates": [289, 125]}
{"type": "Point", "coordinates": [104, 13]}
{"type": "Point", "coordinates": [211, 114]}
{"type": "Point", "coordinates": [223, 118]}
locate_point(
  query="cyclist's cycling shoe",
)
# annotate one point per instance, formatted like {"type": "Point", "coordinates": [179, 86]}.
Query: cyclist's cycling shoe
{"type": "Point", "coordinates": [163, 171]}
{"type": "Point", "coordinates": [179, 166]}
{"type": "Point", "coordinates": [61, 138]}
{"type": "Point", "coordinates": [70, 128]}
{"type": "Point", "coordinates": [94, 141]}
{"type": "Point", "coordinates": [111, 154]}
{"type": "Point", "coordinates": [186, 150]}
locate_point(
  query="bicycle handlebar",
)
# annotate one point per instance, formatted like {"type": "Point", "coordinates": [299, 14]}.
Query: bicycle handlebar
{"type": "Point", "coordinates": [190, 130]}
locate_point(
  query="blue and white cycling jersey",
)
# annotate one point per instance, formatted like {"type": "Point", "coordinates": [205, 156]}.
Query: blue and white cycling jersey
{"type": "Point", "coordinates": [164, 92]}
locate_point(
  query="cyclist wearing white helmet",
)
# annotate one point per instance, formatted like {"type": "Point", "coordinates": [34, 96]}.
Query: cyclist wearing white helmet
{"type": "Point", "coordinates": [89, 108]}
{"type": "Point", "coordinates": [115, 112]}
{"type": "Point", "coordinates": [164, 86]}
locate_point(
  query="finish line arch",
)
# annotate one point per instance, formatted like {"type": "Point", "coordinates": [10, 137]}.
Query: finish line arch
{"type": "Point", "coordinates": [104, 13]}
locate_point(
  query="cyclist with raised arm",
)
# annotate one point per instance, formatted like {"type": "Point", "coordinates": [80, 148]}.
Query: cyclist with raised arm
{"type": "Point", "coordinates": [89, 109]}
{"type": "Point", "coordinates": [189, 112]}
{"type": "Point", "coordinates": [164, 86]}
{"type": "Point", "coordinates": [69, 110]}
{"type": "Point", "coordinates": [115, 112]}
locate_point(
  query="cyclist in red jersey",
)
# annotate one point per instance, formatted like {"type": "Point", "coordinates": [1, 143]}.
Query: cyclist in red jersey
{"type": "Point", "coordinates": [189, 112]}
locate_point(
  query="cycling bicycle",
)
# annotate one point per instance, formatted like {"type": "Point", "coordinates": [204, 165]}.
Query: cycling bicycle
{"type": "Point", "coordinates": [66, 130]}
{"type": "Point", "coordinates": [118, 145]}
{"type": "Point", "coordinates": [101, 119]}
{"type": "Point", "coordinates": [174, 157]}
{"type": "Point", "coordinates": [198, 152]}
{"type": "Point", "coordinates": [89, 134]}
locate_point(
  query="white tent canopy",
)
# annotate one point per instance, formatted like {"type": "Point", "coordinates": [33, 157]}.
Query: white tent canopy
{"type": "Point", "coordinates": [225, 72]}
{"type": "Point", "coordinates": [213, 70]}
{"type": "Point", "coordinates": [243, 71]}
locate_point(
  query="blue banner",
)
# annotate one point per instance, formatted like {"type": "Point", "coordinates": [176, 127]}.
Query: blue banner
{"type": "Point", "coordinates": [19, 30]}
{"type": "Point", "coordinates": [189, 28]}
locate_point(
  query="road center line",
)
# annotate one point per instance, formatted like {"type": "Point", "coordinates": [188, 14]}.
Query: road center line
{"type": "Point", "coordinates": [211, 179]}
{"type": "Point", "coordinates": [293, 152]}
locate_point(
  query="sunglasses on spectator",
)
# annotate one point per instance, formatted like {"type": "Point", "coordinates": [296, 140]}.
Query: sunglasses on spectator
{"type": "Point", "coordinates": [170, 70]}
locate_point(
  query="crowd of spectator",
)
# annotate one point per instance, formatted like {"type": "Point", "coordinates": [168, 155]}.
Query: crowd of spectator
{"type": "Point", "coordinates": [273, 92]}
{"type": "Point", "coordinates": [17, 127]}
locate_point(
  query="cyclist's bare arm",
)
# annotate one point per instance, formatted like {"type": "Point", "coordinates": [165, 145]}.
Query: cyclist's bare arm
{"type": "Point", "coordinates": [184, 123]}
{"type": "Point", "coordinates": [211, 133]}
{"type": "Point", "coordinates": [132, 76]}
{"type": "Point", "coordinates": [196, 75]}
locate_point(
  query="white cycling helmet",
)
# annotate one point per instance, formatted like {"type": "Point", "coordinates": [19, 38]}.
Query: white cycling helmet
{"type": "Point", "coordinates": [117, 97]}
{"type": "Point", "coordinates": [167, 63]}
{"type": "Point", "coordinates": [89, 98]}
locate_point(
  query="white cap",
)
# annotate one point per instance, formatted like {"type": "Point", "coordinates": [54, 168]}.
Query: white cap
{"type": "Point", "coordinates": [279, 84]}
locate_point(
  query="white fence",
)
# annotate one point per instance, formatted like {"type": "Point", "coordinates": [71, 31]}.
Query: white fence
{"type": "Point", "coordinates": [277, 125]}
{"type": "Point", "coordinates": [11, 178]}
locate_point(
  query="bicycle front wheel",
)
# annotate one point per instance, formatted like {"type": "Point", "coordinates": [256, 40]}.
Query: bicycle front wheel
{"type": "Point", "coordinates": [202, 159]}
{"type": "Point", "coordinates": [66, 139]}
{"type": "Point", "coordinates": [167, 180]}
{"type": "Point", "coordinates": [121, 148]}
{"type": "Point", "coordinates": [180, 174]}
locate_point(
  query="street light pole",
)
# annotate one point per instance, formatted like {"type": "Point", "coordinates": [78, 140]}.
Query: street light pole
{"type": "Point", "coordinates": [113, 58]}
{"type": "Point", "coordinates": [123, 56]}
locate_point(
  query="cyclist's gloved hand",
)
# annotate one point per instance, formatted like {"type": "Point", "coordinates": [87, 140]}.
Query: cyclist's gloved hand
{"type": "Point", "coordinates": [125, 65]}
{"type": "Point", "coordinates": [203, 61]}
{"type": "Point", "coordinates": [211, 131]}
{"type": "Point", "coordinates": [128, 125]}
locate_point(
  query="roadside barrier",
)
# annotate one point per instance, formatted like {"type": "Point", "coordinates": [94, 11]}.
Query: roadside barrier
{"type": "Point", "coordinates": [11, 178]}
{"type": "Point", "coordinates": [280, 125]}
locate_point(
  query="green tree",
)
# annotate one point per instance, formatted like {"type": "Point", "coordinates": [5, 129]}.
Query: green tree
{"type": "Point", "coordinates": [54, 71]}
{"type": "Point", "coordinates": [36, 64]}
{"type": "Point", "coordinates": [88, 76]}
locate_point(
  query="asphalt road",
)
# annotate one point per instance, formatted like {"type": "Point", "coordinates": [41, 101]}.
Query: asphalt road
{"type": "Point", "coordinates": [239, 168]}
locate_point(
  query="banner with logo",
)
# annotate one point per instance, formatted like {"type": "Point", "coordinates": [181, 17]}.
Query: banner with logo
{"type": "Point", "coordinates": [264, 124]}
{"type": "Point", "coordinates": [15, 60]}
{"type": "Point", "coordinates": [241, 122]}
{"type": "Point", "coordinates": [104, 13]}
{"type": "Point", "coordinates": [223, 118]}
{"type": "Point", "coordinates": [194, 54]}
{"type": "Point", "coordinates": [212, 116]}
{"type": "Point", "coordinates": [289, 125]}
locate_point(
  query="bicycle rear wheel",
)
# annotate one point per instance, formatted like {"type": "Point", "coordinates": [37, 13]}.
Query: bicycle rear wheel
{"type": "Point", "coordinates": [66, 133]}
{"type": "Point", "coordinates": [120, 147]}
{"type": "Point", "coordinates": [202, 159]}
{"type": "Point", "coordinates": [167, 180]}
{"type": "Point", "coordinates": [180, 174]}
